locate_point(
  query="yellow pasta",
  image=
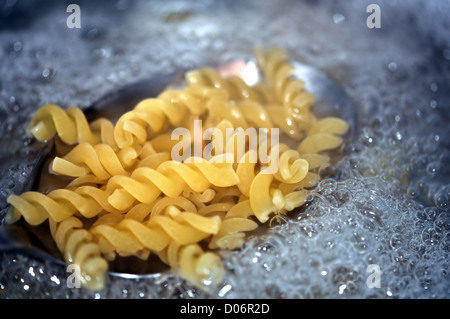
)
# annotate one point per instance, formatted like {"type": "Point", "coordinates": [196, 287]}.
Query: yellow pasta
{"type": "Point", "coordinates": [279, 71]}
{"type": "Point", "coordinates": [81, 248]}
{"type": "Point", "coordinates": [236, 222]}
{"type": "Point", "coordinates": [171, 105]}
{"type": "Point", "coordinates": [59, 204]}
{"type": "Point", "coordinates": [146, 184]}
{"type": "Point", "coordinates": [85, 180]}
{"type": "Point", "coordinates": [251, 103]}
{"type": "Point", "coordinates": [199, 267]}
{"type": "Point", "coordinates": [291, 167]}
{"type": "Point", "coordinates": [329, 125]}
{"type": "Point", "coordinates": [236, 88]}
{"type": "Point", "coordinates": [200, 199]}
{"type": "Point", "coordinates": [290, 91]}
{"type": "Point", "coordinates": [323, 135]}
{"type": "Point", "coordinates": [70, 125]}
{"type": "Point", "coordinates": [101, 160]}
{"type": "Point", "coordinates": [138, 200]}
{"type": "Point", "coordinates": [128, 236]}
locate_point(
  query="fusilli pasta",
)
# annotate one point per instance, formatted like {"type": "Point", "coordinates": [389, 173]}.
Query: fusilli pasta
{"type": "Point", "coordinates": [129, 197]}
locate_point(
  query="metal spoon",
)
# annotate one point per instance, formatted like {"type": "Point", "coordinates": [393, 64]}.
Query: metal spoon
{"type": "Point", "coordinates": [331, 100]}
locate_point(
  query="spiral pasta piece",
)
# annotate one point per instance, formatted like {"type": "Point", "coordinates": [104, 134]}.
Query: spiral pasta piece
{"type": "Point", "coordinates": [101, 160]}
{"type": "Point", "coordinates": [130, 236]}
{"type": "Point", "coordinates": [80, 247]}
{"type": "Point", "coordinates": [291, 167]}
{"type": "Point", "coordinates": [324, 135]}
{"type": "Point", "coordinates": [279, 72]}
{"type": "Point", "coordinates": [236, 222]}
{"type": "Point", "coordinates": [128, 197]}
{"type": "Point", "coordinates": [290, 91]}
{"type": "Point", "coordinates": [172, 105]}
{"type": "Point", "coordinates": [329, 125]}
{"type": "Point", "coordinates": [199, 267]}
{"type": "Point", "coordinates": [264, 200]}
{"type": "Point", "coordinates": [180, 202]}
{"type": "Point", "coordinates": [85, 180]}
{"type": "Point", "coordinates": [59, 204]}
{"type": "Point", "coordinates": [235, 87]}
{"type": "Point", "coordinates": [171, 177]}
{"type": "Point", "coordinates": [70, 125]}
{"type": "Point", "coordinates": [200, 199]}
{"type": "Point", "coordinates": [249, 103]}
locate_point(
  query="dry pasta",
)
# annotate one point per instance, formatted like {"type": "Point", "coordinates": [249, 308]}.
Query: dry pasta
{"type": "Point", "coordinates": [236, 88]}
{"type": "Point", "coordinates": [101, 160]}
{"type": "Point", "coordinates": [194, 264]}
{"type": "Point", "coordinates": [70, 125]}
{"type": "Point", "coordinates": [171, 177]}
{"type": "Point", "coordinates": [81, 248]}
{"type": "Point", "coordinates": [279, 71]}
{"type": "Point", "coordinates": [171, 105]}
{"type": "Point", "coordinates": [129, 197]}
{"type": "Point", "coordinates": [289, 91]}
{"type": "Point", "coordinates": [249, 100]}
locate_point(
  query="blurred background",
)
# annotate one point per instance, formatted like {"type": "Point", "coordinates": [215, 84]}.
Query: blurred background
{"type": "Point", "coordinates": [389, 202]}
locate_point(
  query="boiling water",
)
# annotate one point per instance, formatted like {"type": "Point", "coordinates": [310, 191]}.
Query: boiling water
{"type": "Point", "coordinates": [388, 204]}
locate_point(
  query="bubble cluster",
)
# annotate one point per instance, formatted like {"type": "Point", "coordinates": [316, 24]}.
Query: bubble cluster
{"type": "Point", "coordinates": [388, 201]}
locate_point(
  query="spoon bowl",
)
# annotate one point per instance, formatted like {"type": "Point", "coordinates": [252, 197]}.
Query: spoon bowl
{"type": "Point", "coordinates": [331, 100]}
